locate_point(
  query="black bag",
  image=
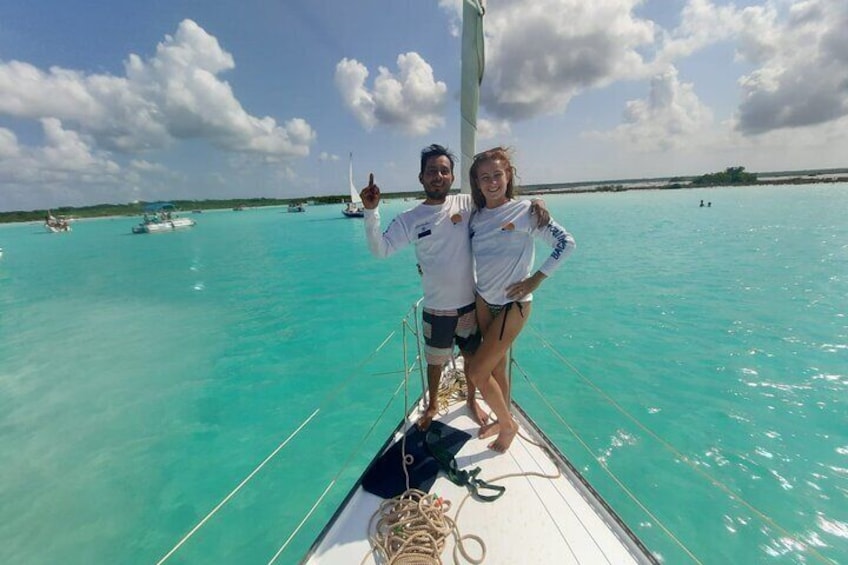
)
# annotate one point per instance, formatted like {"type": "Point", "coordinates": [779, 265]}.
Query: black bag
{"type": "Point", "coordinates": [385, 477]}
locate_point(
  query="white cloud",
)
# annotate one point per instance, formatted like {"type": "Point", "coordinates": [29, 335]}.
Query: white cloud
{"type": "Point", "coordinates": [88, 118]}
{"type": "Point", "coordinates": [454, 10]}
{"type": "Point", "coordinates": [799, 49]}
{"type": "Point", "coordinates": [491, 129]}
{"type": "Point", "coordinates": [65, 155]}
{"type": "Point", "coordinates": [703, 23]}
{"type": "Point", "coordinates": [540, 54]}
{"type": "Point", "coordinates": [8, 144]}
{"type": "Point", "coordinates": [65, 163]}
{"type": "Point", "coordinates": [350, 80]}
{"type": "Point", "coordinates": [146, 166]}
{"type": "Point", "coordinates": [803, 79]}
{"type": "Point", "coordinates": [411, 101]}
{"type": "Point", "coordinates": [176, 94]}
{"type": "Point", "coordinates": [67, 151]}
{"type": "Point", "coordinates": [670, 117]}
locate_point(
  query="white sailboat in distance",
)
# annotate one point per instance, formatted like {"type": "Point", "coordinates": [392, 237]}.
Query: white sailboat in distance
{"type": "Point", "coordinates": [354, 208]}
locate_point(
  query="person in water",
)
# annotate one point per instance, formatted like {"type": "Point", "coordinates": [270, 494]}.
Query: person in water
{"type": "Point", "coordinates": [502, 244]}
{"type": "Point", "coordinates": [438, 228]}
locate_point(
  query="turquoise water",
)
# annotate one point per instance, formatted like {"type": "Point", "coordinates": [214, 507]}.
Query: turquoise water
{"type": "Point", "coordinates": [701, 354]}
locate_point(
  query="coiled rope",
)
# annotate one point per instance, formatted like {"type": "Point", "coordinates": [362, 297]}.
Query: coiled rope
{"type": "Point", "coordinates": [412, 528]}
{"type": "Point", "coordinates": [452, 389]}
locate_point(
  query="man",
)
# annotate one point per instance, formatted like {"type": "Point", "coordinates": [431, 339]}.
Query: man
{"type": "Point", "coordinates": [438, 227]}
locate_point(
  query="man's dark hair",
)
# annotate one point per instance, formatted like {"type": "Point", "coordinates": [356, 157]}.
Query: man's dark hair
{"type": "Point", "coordinates": [436, 150]}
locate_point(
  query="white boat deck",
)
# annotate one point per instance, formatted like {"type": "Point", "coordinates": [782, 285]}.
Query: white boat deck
{"type": "Point", "coordinates": [538, 520]}
{"type": "Point", "coordinates": [164, 225]}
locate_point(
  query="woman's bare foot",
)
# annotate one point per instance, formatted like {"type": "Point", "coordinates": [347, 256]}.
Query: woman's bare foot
{"type": "Point", "coordinates": [477, 414]}
{"type": "Point", "coordinates": [488, 430]}
{"type": "Point", "coordinates": [504, 439]}
{"type": "Point", "coordinates": [427, 418]}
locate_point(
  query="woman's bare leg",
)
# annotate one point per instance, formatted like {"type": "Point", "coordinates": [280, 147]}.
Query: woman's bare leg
{"type": "Point", "coordinates": [477, 413]}
{"type": "Point", "coordinates": [484, 320]}
{"type": "Point", "coordinates": [492, 352]}
{"type": "Point", "coordinates": [500, 376]}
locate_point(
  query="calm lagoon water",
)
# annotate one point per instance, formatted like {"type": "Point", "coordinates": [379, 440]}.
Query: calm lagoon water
{"type": "Point", "coordinates": [696, 356]}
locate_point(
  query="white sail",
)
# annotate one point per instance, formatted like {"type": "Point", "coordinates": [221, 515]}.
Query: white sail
{"type": "Point", "coordinates": [473, 63]}
{"type": "Point", "coordinates": [354, 194]}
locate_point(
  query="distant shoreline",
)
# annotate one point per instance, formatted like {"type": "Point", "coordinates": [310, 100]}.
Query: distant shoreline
{"type": "Point", "coordinates": [671, 184]}
{"type": "Point", "coordinates": [187, 206]}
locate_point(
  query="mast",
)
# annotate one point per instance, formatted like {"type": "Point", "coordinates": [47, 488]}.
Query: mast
{"type": "Point", "coordinates": [473, 63]}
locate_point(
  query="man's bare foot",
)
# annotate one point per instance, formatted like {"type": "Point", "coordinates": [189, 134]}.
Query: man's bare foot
{"type": "Point", "coordinates": [504, 439]}
{"type": "Point", "coordinates": [488, 430]}
{"type": "Point", "coordinates": [427, 418]}
{"type": "Point", "coordinates": [477, 414]}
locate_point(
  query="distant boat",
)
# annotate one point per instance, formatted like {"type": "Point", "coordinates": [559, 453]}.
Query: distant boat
{"type": "Point", "coordinates": [297, 207]}
{"type": "Point", "coordinates": [238, 208]}
{"type": "Point", "coordinates": [56, 225]}
{"type": "Point", "coordinates": [161, 217]}
{"type": "Point", "coordinates": [354, 208]}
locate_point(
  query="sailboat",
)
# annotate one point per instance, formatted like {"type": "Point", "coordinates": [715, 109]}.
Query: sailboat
{"type": "Point", "coordinates": [56, 225]}
{"type": "Point", "coordinates": [530, 505]}
{"type": "Point", "coordinates": [354, 208]}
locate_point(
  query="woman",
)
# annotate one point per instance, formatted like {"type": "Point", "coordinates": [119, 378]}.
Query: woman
{"type": "Point", "coordinates": [502, 243]}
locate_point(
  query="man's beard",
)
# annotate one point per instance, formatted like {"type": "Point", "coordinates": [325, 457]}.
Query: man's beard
{"type": "Point", "coordinates": [437, 194]}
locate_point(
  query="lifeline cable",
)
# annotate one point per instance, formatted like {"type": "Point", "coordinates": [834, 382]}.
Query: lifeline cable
{"type": "Point", "coordinates": [235, 490]}
{"type": "Point", "coordinates": [407, 370]}
{"type": "Point", "coordinates": [335, 478]}
{"type": "Point", "coordinates": [721, 486]}
{"type": "Point", "coordinates": [332, 394]}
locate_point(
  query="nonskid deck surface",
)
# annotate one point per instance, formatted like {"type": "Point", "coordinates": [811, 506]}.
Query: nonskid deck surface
{"type": "Point", "coordinates": [537, 520]}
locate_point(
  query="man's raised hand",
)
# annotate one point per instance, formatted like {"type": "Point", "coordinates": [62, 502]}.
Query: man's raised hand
{"type": "Point", "coordinates": [370, 194]}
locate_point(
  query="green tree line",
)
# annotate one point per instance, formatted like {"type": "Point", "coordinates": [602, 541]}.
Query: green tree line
{"type": "Point", "coordinates": [731, 175]}
{"type": "Point", "coordinates": [137, 208]}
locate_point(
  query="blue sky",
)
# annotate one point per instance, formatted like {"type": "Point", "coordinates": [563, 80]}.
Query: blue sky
{"type": "Point", "coordinates": [128, 101]}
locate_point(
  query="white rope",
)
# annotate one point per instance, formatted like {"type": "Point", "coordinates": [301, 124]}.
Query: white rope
{"type": "Point", "coordinates": [361, 443]}
{"type": "Point", "coordinates": [303, 521]}
{"type": "Point", "coordinates": [341, 470]}
{"type": "Point", "coordinates": [235, 490]}
{"type": "Point", "coordinates": [329, 397]}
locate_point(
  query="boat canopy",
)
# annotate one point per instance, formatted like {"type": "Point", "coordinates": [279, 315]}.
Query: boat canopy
{"type": "Point", "coordinates": [159, 206]}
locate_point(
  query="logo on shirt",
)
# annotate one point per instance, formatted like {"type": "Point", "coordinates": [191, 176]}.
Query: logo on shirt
{"type": "Point", "coordinates": [561, 241]}
{"type": "Point", "coordinates": [456, 218]}
{"type": "Point", "coordinates": [509, 226]}
{"type": "Point", "coordinates": [424, 233]}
